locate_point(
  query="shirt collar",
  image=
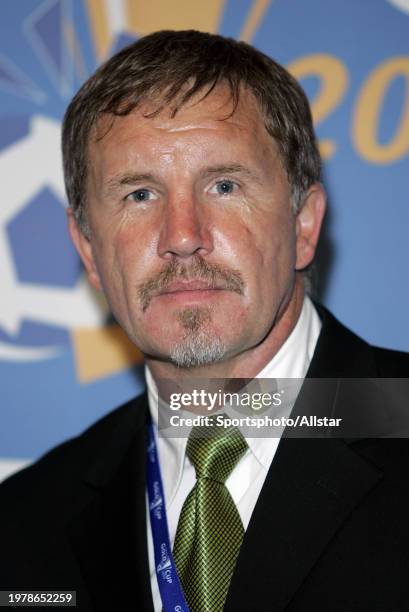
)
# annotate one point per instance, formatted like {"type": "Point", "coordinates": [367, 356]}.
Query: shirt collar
{"type": "Point", "coordinates": [291, 361]}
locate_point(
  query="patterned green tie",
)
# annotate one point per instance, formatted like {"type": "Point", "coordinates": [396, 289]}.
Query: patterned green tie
{"type": "Point", "coordinates": [210, 531]}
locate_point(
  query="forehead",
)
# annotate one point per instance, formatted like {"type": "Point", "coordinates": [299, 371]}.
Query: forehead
{"type": "Point", "coordinates": [208, 122]}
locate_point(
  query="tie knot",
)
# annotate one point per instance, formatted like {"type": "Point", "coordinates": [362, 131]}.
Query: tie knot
{"type": "Point", "coordinates": [214, 451]}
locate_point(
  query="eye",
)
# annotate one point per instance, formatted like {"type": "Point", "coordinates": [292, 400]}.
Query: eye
{"type": "Point", "coordinates": [141, 195]}
{"type": "Point", "coordinates": [224, 187]}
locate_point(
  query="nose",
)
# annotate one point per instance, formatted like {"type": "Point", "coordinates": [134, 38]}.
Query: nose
{"type": "Point", "coordinates": [185, 230]}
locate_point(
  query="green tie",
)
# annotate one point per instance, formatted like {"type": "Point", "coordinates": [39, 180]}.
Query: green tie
{"type": "Point", "coordinates": [210, 531]}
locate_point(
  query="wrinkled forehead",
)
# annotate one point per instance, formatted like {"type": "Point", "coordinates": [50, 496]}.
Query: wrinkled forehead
{"type": "Point", "coordinates": [216, 104]}
{"type": "Point", "coordinates": [206, 117]}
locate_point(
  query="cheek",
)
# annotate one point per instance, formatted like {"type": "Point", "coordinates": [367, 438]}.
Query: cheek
{"type": "Point", "coordinates": [274, 254]}
{"type": "Point", "coordinates": [112, 259]}
{"type": "Point", "coordinates": [131, 252]}
{"type": "Point", "coordinates": [245, 245]}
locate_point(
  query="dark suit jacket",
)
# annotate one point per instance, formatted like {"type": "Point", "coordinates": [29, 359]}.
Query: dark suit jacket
{"type": "Point", "coordinates": [330, 530]}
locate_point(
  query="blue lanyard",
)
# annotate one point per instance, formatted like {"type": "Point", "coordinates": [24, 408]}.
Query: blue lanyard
{"type": "Point", "coordinates": [170, 588]}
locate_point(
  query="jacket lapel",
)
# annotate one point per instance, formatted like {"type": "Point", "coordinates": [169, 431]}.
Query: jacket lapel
{"type": "Point", "coordinates": [311, 488]}
{"type": "Point", "coordinates": [108, 533]}
{"type": "Point", "coordinates": [339, 352]}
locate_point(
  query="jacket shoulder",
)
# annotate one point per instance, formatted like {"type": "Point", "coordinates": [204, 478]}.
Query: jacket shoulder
{"type": "Point", "coordinates": [391, 364]}
{"type": "Point", "coordinates": [62, 467]}
{"type": "Point", "coordinates": [342, 353]}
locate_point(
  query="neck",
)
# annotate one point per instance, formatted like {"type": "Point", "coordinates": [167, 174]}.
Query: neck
{"type": "Point", "coordinates": [251, 361]}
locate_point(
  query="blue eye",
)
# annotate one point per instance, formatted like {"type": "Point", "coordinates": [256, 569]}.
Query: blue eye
{"type": "Point", "coordinates": [140, 195]}
{"type": "Point", "coordinates": [225, 187]}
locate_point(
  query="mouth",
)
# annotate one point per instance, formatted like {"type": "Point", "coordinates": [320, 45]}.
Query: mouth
{"type": "Point", "coordinates": [194, 290]}
{"type": "Point", "coordinates": [189, 286]}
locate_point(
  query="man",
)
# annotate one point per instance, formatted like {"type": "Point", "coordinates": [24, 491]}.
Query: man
{"type": "Point", "coordinates": [192, 174]}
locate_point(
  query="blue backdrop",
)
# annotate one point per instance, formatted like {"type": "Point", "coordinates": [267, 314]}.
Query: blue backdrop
{"type": "Point", "coordinates": [63, 363]}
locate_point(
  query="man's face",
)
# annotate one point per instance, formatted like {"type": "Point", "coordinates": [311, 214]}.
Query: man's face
{"type": "Point", "coordinates": [193, 239]}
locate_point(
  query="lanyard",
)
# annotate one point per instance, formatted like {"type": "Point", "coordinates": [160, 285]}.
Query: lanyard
{"type": "Point", "coordinates": [170, 588]}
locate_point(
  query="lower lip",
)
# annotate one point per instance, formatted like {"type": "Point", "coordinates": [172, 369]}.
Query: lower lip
{"type": "Point", "coordinates": [191, 296]}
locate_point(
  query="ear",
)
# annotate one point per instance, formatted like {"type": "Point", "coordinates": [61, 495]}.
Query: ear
{"type": "Point", "coordinates": [308, 225]}
{"type": "Point", "coordinates": [84, 248]}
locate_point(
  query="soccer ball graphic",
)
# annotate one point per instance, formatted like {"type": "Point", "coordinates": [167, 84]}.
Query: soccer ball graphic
{"type": "Point", "coordinates": [44, 292]}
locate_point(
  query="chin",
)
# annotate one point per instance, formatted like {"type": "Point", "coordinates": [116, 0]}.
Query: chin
{"type": "Point", "coordinates": [196, 350]}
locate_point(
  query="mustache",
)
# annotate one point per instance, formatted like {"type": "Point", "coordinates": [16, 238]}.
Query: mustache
{"type": "Point", "coordinates": [216, 275]}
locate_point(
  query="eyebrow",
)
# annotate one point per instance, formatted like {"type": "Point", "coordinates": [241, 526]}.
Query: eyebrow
{"type": "Point", "coordinates": [233, 168]}
{"type": "Point", "coordinates": [127, 179]}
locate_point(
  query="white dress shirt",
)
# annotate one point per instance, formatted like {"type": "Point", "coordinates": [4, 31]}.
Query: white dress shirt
{"type": "Point", "coordinates": [247, 478]}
